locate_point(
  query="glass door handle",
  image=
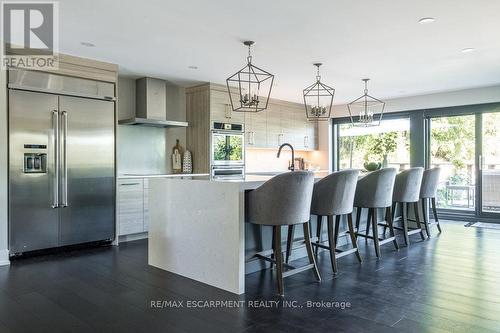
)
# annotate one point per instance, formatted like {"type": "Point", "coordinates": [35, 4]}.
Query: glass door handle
{"type": "Point", "coordinates": [480, 162]}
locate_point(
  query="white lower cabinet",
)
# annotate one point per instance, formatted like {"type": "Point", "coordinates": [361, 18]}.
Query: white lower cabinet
{"type": "Point", "coordinates": [133, 212]}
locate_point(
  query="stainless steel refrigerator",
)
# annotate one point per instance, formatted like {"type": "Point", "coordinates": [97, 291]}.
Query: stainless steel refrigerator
{"type": "Point", "coordinates": [61, 161]}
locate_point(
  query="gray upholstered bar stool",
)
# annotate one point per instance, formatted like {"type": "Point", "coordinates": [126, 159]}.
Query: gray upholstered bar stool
{"type": "Point", "coordinates": [333, 196]}
{"type": "Point", "coordinates": [282, 201]}
{"type": "Point", "coordinates": [406, 192]}
{"type": "Point", "coordinates": [428, 190]}
{"type": "Point", "coordinates": [374, 191]}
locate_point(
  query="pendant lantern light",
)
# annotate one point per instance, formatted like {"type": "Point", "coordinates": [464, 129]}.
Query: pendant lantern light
{"type": "Point", "coordinates": [253, 84]}
{"type": "Point", "coordinates": [318, 99]}
{"type": "Point", "coordinates": [366, 110]}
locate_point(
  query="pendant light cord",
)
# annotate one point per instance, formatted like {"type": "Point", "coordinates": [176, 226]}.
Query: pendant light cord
{"type": "Point", "coordinates": [249, 58]}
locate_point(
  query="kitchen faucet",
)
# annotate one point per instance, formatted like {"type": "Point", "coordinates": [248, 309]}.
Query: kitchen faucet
{"type": "Point", "coordinates": [292, 165]}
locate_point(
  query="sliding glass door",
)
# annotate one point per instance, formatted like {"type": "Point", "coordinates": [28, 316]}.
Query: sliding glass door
{"type": "Point", "coordinates": [489, 159]}
{"type": "Point", "coordinates": [453, 149]}
{"type": "Point", "coordinates": [467, 149]}
{"type": "Point", "coordinates": [387, 144]}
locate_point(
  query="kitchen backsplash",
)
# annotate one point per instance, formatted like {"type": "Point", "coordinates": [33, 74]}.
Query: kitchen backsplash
{"type": "Point", "coordinates": [141, 150]}
{"type": "Point", "coordinates": [265, 160]}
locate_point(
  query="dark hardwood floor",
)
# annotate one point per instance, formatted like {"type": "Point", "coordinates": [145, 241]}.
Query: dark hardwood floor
{"type": "Point", "coordinates": [450, 283]}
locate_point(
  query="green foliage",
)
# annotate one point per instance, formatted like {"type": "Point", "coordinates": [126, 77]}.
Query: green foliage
{"type": "Point", "coordinates": [232, 151]}
{"type": "Point", "coordinates": [355, 150]}
{"type": "Point", "coordinates": [453, 140]}
{"type": "Point", "coordinates": [383, 144]}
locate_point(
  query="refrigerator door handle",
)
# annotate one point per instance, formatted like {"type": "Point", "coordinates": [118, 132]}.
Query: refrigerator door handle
{"type": "Point", "coordinates": [55, 128]}
{"type": "Point", "coordinates": [65, 159]}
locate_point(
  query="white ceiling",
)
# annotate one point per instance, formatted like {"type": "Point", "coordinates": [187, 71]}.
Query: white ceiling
{"type": "Point", "coordinates": [380, 39]}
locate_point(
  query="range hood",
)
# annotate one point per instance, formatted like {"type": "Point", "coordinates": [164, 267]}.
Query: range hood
{"type": "Point", "coordinates": [151, 105]}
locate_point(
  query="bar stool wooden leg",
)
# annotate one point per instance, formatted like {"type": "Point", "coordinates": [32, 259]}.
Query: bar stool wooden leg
{"type": "Point", "coordinates": [337, 225]}
{"type": "Point", "coordinates": [375, 231]}
{"type": "Point", "coordinates": [391, 227]}
{"type": "Point", "coordinates": [353, 236]}
{"type": "Point", "coordinates": [307, 238]}
{"type": "Point", "coordinates": [358, 218]}
{"type": "Point", "coordinates": [279, 259]}
{"type": "Point", "coordinates": [319, 225]}
{"type": "Point", "coordinates": [426, 219]}
{"type": "Point", "coordinates": [368, 221]}
{"type": "Point", "coordinates": [417, 220]}
{"type": "Point", "coordinates": [332, 244]}
{"type": "Point", "coordinates": [273, 244]}
{"type": "Point", "coordinates": [393, 216]}
{"type": "Point", "coordinates": [404, 211]}
{"type": "Point", "coordinates": [434, 210]}
{"type": "Point", "coordinates": [289, 242]}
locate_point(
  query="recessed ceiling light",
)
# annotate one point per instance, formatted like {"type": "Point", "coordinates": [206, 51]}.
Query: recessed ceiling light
{"type": "Point", "coordinates": [193, 67]}
{"type": "Point", "coordinates": [468, 49]}
{"type": "Point", "coordinates": [426, 20]}
{"type": "Point", "coordinates": [87, 44]}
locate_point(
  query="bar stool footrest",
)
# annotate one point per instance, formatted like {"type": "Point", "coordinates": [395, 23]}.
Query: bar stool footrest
{"type": "Point", "coordinates": [345, 252]}
{"type": "Point", "coordinates": [386, 240]}
{"type": "Point", "coordinates": [298, 270]}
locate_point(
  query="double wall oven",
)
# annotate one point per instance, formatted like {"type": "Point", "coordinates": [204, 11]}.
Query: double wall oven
{"type": "Point", "coordinates": [227, 150]}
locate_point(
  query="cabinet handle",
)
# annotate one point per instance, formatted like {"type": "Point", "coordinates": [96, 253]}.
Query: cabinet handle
{"type": "Point", "coordinates": [129, 184]}
{"type": "Point", "coordinates": [251, 138]}
{"type": "Point", "coordinates": [228, 111]}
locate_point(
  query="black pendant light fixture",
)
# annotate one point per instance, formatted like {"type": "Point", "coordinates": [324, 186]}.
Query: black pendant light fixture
{"type": "Point", "coordinates": [318, 99]}
{"type": "Point", "coordinates": [366, 110]}
{"type": "Point", "coordinates": [254, 86]}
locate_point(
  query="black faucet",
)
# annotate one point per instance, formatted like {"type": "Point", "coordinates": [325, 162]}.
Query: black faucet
{"type": "Point", "coordinates": [292, 166]}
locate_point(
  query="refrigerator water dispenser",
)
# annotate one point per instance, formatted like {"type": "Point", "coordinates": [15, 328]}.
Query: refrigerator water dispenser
{"type": "Point", "coordinates": [35, 163]}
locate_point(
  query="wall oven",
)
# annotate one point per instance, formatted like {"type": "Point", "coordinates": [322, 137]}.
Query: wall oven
{"type": "Point", "coordinates": [227, 150]}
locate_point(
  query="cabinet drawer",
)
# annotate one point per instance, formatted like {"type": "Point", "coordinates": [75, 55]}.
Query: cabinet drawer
{"type": "Point", "coordinates": [130, 206]}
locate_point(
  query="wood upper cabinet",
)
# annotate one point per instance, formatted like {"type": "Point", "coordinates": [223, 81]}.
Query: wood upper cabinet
{"type": "Point", "coordinates": [220, 107]}
{"type": "Point", "coordinates": [281, 122]}
{"type": "Point", "coordinates": [255, 129]}
{"type": "Point", "coordinates": [286, 122]}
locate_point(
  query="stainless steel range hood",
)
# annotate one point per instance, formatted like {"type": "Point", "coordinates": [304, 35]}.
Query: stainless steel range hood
{"type": "Point", "coordinates": [151, 105]}
{"type": "Point", "coordinates": [153, 122]}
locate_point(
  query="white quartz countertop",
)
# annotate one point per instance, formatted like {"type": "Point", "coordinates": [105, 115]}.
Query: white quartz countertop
{"type": "Point", "coordinates": [274, 173]}
{"type": "Point", "coordinates": [167, 175]}
{"type": "Point", "coordinates": [251, 182]}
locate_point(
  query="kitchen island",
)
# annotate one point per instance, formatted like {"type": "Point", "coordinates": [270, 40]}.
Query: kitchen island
{"type": "Point", "coordinates": [198, 230]}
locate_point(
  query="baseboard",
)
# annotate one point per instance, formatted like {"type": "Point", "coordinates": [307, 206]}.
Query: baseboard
{"type": "Point", "coordinates": [4, 257]}
{"type": "Point", "coordinates": [132, 237]}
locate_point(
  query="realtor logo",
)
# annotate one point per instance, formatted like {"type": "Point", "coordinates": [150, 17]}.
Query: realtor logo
{"type": "Point", "coordinates": [30, 34]}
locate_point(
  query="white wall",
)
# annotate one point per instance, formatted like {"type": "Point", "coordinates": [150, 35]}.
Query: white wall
{"type": "Point", "coordinates": [4, 254]}
{"type": "Point", "coordinates": [437, 100]}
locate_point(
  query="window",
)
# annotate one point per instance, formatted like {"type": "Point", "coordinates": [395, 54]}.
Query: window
{"type": "Point", "coordinates": [387, 144]}
{"type": "Point", "coordinates": [452, 149]}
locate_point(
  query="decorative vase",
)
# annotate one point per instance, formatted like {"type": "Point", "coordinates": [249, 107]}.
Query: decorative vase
{"type": "Point", "coordinates": [187, 165]}
{"type": "Point", "coordinates": [385, 164]}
